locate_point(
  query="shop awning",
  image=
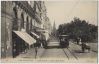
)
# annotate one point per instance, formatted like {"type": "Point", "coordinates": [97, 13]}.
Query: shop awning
{"type": "Point", "coordinates": [35, 34]}
{"type": "Point", "coordinates": [26, 37]}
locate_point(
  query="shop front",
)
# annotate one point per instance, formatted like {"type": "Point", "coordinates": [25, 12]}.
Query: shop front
{"type": "Point", "coordinates": [22, 41]}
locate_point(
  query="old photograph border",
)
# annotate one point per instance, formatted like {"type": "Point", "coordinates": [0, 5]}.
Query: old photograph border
{"type": "Point", "coordinates": [50, 60]}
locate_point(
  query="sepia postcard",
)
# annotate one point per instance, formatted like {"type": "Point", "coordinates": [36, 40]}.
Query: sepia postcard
{"type": "Point", "coordinates": [59, 31]}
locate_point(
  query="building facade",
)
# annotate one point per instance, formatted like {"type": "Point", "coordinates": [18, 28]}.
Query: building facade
{"type": "Point", "coordinates": [18, 20]}
{"type": "Point", "coordinates": [47, 25]}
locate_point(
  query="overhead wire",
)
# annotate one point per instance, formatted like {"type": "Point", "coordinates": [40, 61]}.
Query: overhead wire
{"type": "Point", "coordinates": [73, 8]}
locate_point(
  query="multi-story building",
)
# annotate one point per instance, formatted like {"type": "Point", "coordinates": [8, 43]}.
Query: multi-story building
{"type": "Point", "coordinates": [47, 25]}
{"type": "Point", "coordinates": [18, 20]}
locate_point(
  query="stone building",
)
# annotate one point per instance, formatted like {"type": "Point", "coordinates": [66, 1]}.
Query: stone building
{"type": "Point", "coordinates": [45, 22]}
{"type": "Point", "coordinates": [18, 20]}
{"type": "Point", "coordinates": [47, 25]}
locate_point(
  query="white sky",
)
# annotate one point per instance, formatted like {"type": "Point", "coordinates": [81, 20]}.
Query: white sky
{"type": "Point", "coordinates": [64, 11]}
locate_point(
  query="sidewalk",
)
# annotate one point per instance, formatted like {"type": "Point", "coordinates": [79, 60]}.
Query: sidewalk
{"type": "Point", "coordinates": [40, 52]}
{"type": "Point", "coordinates": [76, 50]}
{"type": "Point", "coordinates": [31, 53]}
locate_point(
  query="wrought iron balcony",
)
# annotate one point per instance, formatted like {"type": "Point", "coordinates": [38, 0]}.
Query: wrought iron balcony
{"type": "Point", "coordinates": [24, 5]}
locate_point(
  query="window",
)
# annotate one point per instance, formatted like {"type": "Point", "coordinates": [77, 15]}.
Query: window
{"type": "Point", "coordinates": [22, 22]}
{"type": "Point", "coordinates": [15, 20]}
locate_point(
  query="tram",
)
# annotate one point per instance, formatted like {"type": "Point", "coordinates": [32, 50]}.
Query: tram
{"type": "Point", "coordinates": [64, 41]}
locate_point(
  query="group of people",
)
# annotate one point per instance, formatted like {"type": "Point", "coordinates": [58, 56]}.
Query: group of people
{"type": "Point", "coordinates": [84, 45]}
{"type": "Point", "coordinates": [40, 42]}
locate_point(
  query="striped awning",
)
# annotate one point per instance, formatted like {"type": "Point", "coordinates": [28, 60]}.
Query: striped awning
{"type": "Point", "coordinates": [35, 34]}
{"type": "Point", "coordinates": [26, 37]}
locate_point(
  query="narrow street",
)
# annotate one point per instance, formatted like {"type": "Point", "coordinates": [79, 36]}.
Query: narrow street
{"type": "Point", "coordinates": [54, 51]}
{"type": "Point", "coordinates": [72, 53]}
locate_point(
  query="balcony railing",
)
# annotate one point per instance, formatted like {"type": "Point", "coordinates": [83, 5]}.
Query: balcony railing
{"type": "Point", "coordinates": [28, 9]}
{"type": "Point", "coordinates": [37, 17]}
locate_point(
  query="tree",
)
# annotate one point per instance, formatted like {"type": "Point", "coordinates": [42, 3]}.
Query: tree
{"type": "Point", "coordinates": [79, 28]}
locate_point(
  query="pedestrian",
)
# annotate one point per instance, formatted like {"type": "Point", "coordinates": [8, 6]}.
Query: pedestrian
{"type": "Point", "coordinates": [78, 41]}
{"type": "Point", "coordinates": [35, 52]}
{"type": "Point", "coordinates": [83, 47]}
{"type": "Point", "coordinates": [35, 47]}
{"type": "Point", "coordinates": [43, 41]}
{"type": "Point", "coordinates": [38, 42]}
{"type": "Point", "coordinates": [67, 43]}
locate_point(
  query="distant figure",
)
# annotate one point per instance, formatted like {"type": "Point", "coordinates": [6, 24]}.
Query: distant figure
{"type": "Point", "coordinates": [43, 41]}
{"type": "Point", "coordinates": [38, 42]}
{"type": "Point", "coordinates": [35, 47]}
{"type": "Point", "coordinates": [35, 52]}
{"type": "Point", "coordinates": [80, 42]}
{"type": "Point", "coordinates": [78, 39]}
{"type": "Point", "coordinates": [85, 46]}
{"type": "Point", "coordinates": [67, 43]}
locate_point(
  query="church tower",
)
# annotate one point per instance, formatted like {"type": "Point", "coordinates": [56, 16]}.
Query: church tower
{"type": "Point", "coordinates": [54, 29]}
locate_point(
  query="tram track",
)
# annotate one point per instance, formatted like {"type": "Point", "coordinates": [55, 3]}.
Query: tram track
{"type": "Point", "coordinates": [69, 54]}
{"type": "Point", "coordinates": [73, 54]}
{"type": "Point", "coordinates": [65, 54]}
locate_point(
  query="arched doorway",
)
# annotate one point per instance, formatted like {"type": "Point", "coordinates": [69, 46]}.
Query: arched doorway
{"type": "Point", "coordinates": [27, 24]}
{"type": "Point", "coordinates": [14, 36]}
{"type": "Point", "coordinates": [22, 21]}
{"type": "Point", "coordinates": [31, 25]}
{"type": "Point", "coordinates": [23, 45]}
{"type": "Point", "coordinates": [15, 19]}
{"type": "Point", "coordinates": [17, 42]}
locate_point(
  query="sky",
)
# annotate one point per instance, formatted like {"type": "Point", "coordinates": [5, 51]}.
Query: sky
{"type": "Point", "coordinates": [64, 11]}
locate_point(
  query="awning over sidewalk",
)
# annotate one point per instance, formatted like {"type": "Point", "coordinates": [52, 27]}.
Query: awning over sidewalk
{"type": "Point", "coordinates": [26, 37]}
{"type": "Point", "coordinates": [35, 34]}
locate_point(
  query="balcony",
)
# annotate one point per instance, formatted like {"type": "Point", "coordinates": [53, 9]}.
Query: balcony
{"type": "Point", "coordinates": [24, 5]}
{"type": "Point", "coordinates": [38, 19]}
{"type": "Point", "coordinates": [29, 10]}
